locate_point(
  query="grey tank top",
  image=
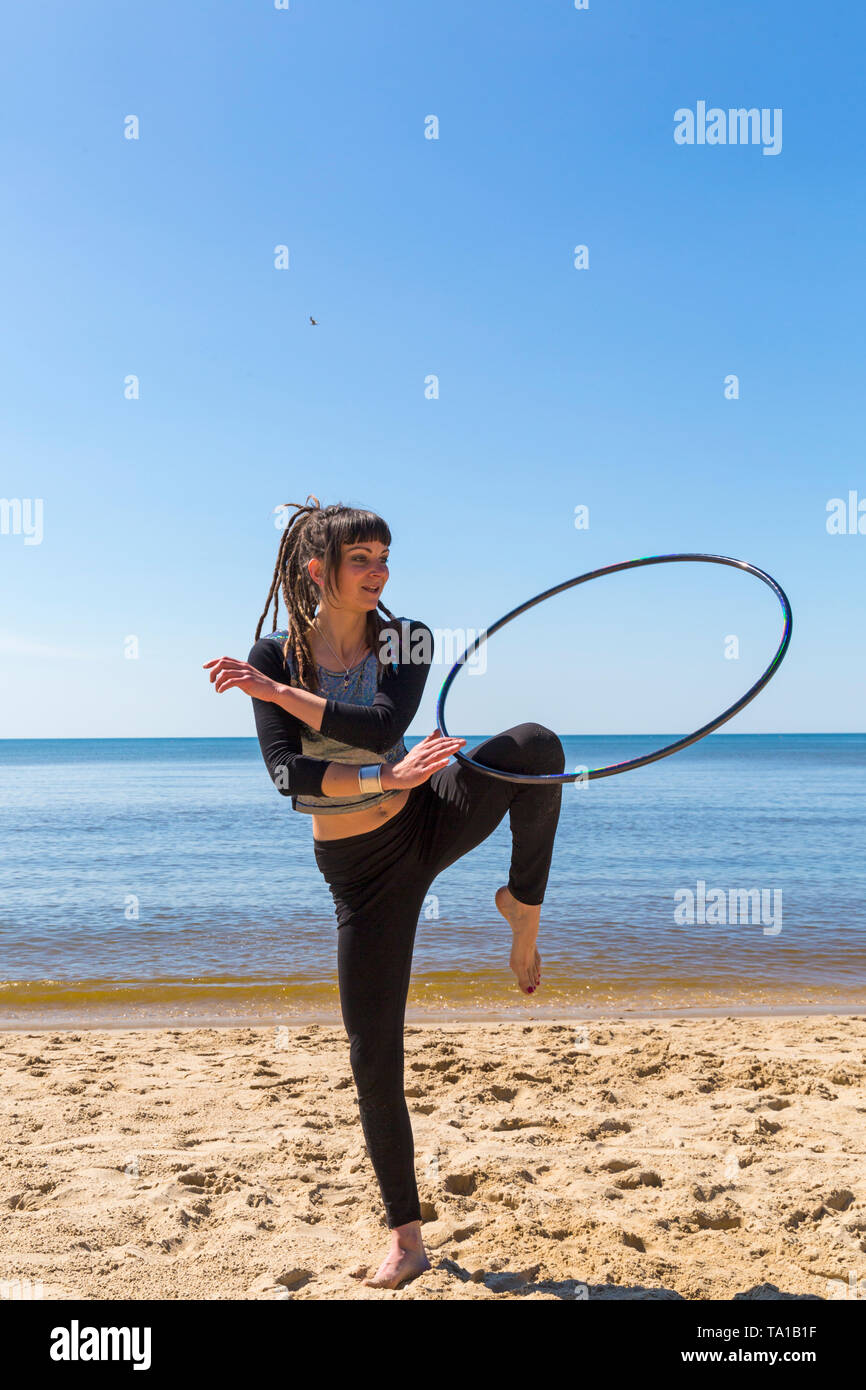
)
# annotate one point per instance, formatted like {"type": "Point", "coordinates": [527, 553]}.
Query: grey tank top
{"type": "Point", "coordinates": [360, 690]}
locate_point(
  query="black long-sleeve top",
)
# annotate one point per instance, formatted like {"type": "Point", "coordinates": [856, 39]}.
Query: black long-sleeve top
{"type": "Point", "coordinates": [374, 721]}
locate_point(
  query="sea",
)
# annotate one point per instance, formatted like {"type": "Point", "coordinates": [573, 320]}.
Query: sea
{"type": "Point", "coordinates": [153, 881]}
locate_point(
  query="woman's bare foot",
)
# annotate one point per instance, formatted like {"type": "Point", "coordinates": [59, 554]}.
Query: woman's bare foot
{"type": "Point", "coordinates": [523, 919]}
{"type": "Point", "coordinates": [406, 1259]}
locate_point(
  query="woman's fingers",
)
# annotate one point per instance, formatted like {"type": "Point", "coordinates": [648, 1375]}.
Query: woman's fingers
{"type": "Point", "coordinates": [433, 744]}
{"type": "Point", "coordinates": [451, 746]}
{"type": "Point", "coordinates": [227, 667]}
{"type": "Point", "coordinates": [226, 679]}
{"type": "Point", "coordinates": [438, 761]}
{"type": "Point", "coordinates": [442, 750]}
{"type": "Point", "coordinates": [222, 663]}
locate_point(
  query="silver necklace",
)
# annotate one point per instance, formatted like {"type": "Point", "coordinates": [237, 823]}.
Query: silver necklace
{"type": "Point", "coordinates": [346, 668]}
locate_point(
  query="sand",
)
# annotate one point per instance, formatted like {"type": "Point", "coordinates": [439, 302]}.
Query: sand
{"type": "Point", "coordinates": [688, 1157]}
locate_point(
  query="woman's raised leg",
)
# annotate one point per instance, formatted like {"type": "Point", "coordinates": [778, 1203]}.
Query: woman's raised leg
{"type": "Point", "coordinates": [463, 807]}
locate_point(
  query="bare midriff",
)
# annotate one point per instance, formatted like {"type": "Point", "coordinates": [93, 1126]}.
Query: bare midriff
{"type": "Point", "coordinates": [357, 822]}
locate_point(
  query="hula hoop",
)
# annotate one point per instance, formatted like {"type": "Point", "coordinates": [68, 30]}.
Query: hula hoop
{"type": "Point", "coordinates": [612, 769]}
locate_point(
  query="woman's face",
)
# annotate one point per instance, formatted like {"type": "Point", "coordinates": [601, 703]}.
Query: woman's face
{"type": "Point", "coordinates": [362, 575]}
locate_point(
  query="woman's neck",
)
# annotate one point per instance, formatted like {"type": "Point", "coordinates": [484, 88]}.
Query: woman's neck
{"type": "Point", "coordinates": [345, 632]}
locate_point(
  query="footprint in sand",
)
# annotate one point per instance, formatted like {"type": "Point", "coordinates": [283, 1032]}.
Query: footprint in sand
{"type": "Point", "coordinates": [646, 1178]}
{"type": "Point", "coordinates": [461, 1184]}
{"type": "Point", "coordinates": [608, 1127]}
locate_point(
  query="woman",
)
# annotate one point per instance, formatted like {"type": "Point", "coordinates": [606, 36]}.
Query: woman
{"type": "Point", "coordinates": [333, 694]}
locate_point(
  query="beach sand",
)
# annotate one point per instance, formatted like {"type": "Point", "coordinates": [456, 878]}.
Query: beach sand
{"type": "Point", "coordinates": [692, 1157]}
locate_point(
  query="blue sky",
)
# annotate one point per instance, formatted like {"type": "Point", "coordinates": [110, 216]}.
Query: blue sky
{"type": "Point", "coordinates": [452, 257]}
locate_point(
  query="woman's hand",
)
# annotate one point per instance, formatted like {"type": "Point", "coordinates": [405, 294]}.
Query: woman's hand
{"type": "Point", "coordinates": [420, 762]}
{"type": "Point", "coordinates": [228, 673]}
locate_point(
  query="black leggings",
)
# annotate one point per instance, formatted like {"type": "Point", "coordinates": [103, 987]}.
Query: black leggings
{"type": "Point", "coordinates": [379, 880]}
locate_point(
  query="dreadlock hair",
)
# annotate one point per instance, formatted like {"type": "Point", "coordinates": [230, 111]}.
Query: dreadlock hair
{"type": "Point", "coordinates": [320, 532]}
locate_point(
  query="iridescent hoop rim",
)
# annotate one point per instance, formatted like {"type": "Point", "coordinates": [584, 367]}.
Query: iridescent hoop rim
{"type": "Point", "coordinates": [612, 769]}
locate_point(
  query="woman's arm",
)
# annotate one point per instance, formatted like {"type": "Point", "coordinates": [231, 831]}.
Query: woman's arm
{"type": "Point", "coordinates": [292, 772]}
{"type": "Point", "coordinates": [376, 726]}
{"type": "Point", "coordinates": [379, 726]}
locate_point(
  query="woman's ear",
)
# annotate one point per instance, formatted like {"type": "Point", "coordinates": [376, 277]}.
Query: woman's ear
{"type": "Point", "coordinates": [313, 570]}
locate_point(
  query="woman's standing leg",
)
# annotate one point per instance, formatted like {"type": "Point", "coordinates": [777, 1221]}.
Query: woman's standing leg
{"type": "Point", "coordinates": [379, 882]}
{"type": "Point", "coordinates": [374, 962]}
{"type": "Point", "coordinates": [379, 886]}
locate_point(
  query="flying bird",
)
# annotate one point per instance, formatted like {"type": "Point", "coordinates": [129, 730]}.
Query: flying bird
{"type": "Point", "coordinates": [314, 322]}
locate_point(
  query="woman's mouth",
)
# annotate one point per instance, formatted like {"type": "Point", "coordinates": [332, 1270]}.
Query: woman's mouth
{"type": "Point", "coordinates": [371, 589]}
